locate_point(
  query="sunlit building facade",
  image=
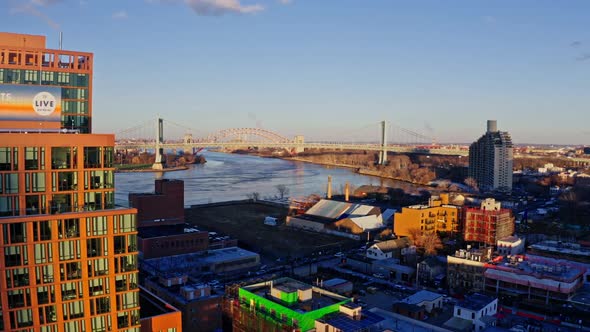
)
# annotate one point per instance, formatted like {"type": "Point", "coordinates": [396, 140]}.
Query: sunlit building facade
{"type": "Point", "coordinates": [68, 255]}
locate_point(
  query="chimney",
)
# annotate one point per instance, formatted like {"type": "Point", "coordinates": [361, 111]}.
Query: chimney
{"type": "Point", "coordinates": [492, 126]}
{"type": "Point", "coordinates": [329, 195]}
{"type": "Point", "coordinates": [346, 191]}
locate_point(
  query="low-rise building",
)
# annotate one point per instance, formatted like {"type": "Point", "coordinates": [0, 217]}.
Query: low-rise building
{"type": "Point", "coordinates": [437, 216]}
{"type": "Point", "coordinates": [534, 279]}
{"type": "Point", "coordinates": [391, 249]}
{"type": "Point", "coordinates": [558, 249]}
{"type": "Point", "coordinates": [431, 272]}
{"type": "Point", "coordinates": [511, 245]}
{"type": "Point", "coordinates": [349, 318]}
{"type": "Point", "coordinates": [392, 270]}
{"type": "Point", "coordinates": [465, 269]}
{"type": "Point", "coordinates": [282, 304]}
{"type": "Point", "coordinates": [200, 306]}
{"type": "Point", "coordinates": [170, 240]}
{"type": "Point", "coordinates": [339, 218]}
{"type": "Point", "coordinates": [337, 285]}
{"type": "Point", "coordinates": [213, 261]}
{"type": "Point", "coordinates": [426, 299]}
{"type": "Point", "coordinates": [475, 313]}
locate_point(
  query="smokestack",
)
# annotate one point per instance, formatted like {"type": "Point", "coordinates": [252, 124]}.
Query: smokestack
{"type": "Point", "coordinates": [492, 126]}
{"type": "Point", "coordinates": [346, 191]}
{"type": "Point", "coordinates": [61, 36]}
{"type": "Point", "coordinates": [329, 194]}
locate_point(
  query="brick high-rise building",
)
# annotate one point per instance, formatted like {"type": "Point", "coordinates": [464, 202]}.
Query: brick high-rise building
{"type": "Point", "coordinates": [68, 256]}
{"type": "Point", "coordinates": [491, 159]}
{"type": "Point", "coordinates": [487, 224]}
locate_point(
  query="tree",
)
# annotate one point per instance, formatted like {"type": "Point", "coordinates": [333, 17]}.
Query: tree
{"type": "Point", "coordinates": [283, 190]}
{"type": "Point", "coordinates": [431, 243]}
{"type": "Point", "coordinates": [472, 183]}
{"type": "Point", "coordinates": [253, 196]}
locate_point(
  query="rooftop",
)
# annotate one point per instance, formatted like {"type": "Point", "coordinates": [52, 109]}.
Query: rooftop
{"type": "Point", "coordinates": [187, 262]}
{"type": "Point", "coordinates": [166, 230]}
{"type": "Point", "coordinates": [574, 249]}
{"type": "Point", "coordinates": [334, 210]}
{"type": "Point", "coordinates": [422, 296]}
{"type": "Point", "coordinates": [539, 267]}
{"type": "Point", "coordinates": [151, 305]}
{"type": "Point", "coordinates": [475, 302]}
{"type": "Point", "coordinates": [320, 298]}
{"type": "Point", "coordinates": [345, 323]}
{"type": "Point", "coordinates": [510, 239]}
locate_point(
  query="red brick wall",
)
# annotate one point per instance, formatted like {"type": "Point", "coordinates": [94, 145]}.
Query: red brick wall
{"type": "Point", "coordinates": [167, 203]}
{"type": "Point", "coordinates": [173, 244]}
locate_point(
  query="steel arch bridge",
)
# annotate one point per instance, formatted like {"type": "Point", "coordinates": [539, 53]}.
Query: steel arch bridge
{"type": "Point", "coordinates": [238, 134]}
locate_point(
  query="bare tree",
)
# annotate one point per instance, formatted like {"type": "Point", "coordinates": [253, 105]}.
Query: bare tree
{"type": "Point", "coordinates": [253, 196]}
{"type": "Point", "coordinates": [431, 243]}
{"type": "Point", "coordinates": [472, 183]}
{"type": "Point", "coordinates": [283, 190]}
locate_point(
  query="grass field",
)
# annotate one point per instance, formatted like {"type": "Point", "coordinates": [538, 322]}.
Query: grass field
{"type": "Point", "coordinates": [245, 222]}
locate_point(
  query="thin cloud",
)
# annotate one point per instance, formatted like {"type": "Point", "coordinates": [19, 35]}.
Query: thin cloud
{"type": "Point", "coordinates": [119, 15]}
{"type": "Point", "coordinates": [576, 43]}
{"type": "Point", "coordinates": [31, 9]}
{"type": "Point", "coordinates": [584, 57]}
{"type": "Point", "coordinates": [490, 19]}
{"type": "Point", "coordinates": [221, 7]}
{"type": "Point", "coordinates": [45, 2]}
{"type": "Point", "coordinates": [285, 2]}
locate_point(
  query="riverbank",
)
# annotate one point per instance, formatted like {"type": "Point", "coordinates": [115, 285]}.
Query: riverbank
{"type": "Point", "coordinates": [150, 170]}
{"type": "Point", "coordinates": [359, 170]}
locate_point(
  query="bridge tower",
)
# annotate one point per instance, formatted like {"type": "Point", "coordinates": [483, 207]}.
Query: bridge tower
{"type": "Point", "coordinates": [299, 140]}
{"type": "Point", "coordinates": [383, 152]}
{"type": "Point", "coordinates": [188, 139]}
{"type": "Point", "coordinates": [159, 164]}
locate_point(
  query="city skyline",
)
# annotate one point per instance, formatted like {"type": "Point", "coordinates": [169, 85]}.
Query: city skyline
{"type": "Point", "coordinates": [438, 69]}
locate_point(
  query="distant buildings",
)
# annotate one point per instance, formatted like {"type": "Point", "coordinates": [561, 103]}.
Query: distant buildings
{"type": "Point", "coordinates": [489, 223]}
{"type": "Point", "coordinates": [426, 299]}
{"type": "Point", "coordinates": [437, 216]}
{"type": "Point", "coordinates": [490, 159]}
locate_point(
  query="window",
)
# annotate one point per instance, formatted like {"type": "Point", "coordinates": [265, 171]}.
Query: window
{"type": "Point", "coordinates": [69, 250]}
{"type": "Point", "coordinates": [44, 274]}
{"type": "Point", "coordinates": [61, 158]}
{"type": "Point", "coordinates": [35, 182]}
{"type": "Point", "coordinates": [10, 183]}
{"type": "Point", "coordinates": [43, 253]}
{"type": "Point", "coordinates": [92, 157]}
{"type": "Point", "coordinates": [41, 231]}
{"type": "Point", "coordinates": [96, 226]}
{"type": "Point", "coordinates": [46, 294]}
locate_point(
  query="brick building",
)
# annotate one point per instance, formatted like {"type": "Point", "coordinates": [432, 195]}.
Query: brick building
{"type": "Point", "coordinates": [487, 224]}
{"type": "Point", "coordinates": [162, 207]}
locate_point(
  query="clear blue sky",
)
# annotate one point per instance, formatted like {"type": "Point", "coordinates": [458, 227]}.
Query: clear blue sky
{"type": "Point", "coordinates": [323, 68]}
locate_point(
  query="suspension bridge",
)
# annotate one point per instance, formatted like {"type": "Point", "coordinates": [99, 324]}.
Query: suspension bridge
{"type": "Point", "coordinates": [383, 139]}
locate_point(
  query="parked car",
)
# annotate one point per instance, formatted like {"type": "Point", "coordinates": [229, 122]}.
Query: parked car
{"type": "Point", "coordinates": [339, 254]}
{"type": "Point", "coordinates": [378, 275]}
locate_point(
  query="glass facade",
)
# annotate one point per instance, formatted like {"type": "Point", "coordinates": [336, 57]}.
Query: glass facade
{"type": "Point", "coordinates": [74, 91]}
{"type": "Point", "coordinates": [68, 257]}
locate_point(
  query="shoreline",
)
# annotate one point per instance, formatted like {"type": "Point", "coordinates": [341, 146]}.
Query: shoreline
{"type": "Point", "coordinates": [358, 170]}
{"type": "Point", "coordinates": [148, 170]}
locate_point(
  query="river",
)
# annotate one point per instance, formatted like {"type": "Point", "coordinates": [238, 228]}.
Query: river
{"type": "Point", "coordinates": [233, 176]}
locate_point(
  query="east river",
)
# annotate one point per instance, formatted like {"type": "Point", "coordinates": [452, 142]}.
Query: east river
{"type": "Point", "coordinates": [232, 176]}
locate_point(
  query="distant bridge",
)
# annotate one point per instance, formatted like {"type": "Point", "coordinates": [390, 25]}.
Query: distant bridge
{"type": "Point", "coordinates": [245, 138]}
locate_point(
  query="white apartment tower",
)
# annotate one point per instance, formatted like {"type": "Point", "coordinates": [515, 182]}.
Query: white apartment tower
{"type": "Point", "coordinates": [490, 159]}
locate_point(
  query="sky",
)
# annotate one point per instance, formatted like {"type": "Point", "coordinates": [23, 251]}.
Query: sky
{"type": "Point", "coordinates": [330, 69]}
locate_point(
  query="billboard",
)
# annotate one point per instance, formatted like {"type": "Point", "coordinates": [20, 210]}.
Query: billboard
{"type": "Point", "coordinates": [30, 107]}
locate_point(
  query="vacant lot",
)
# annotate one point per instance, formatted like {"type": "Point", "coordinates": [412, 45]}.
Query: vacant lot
{"type": "Point", "coordinates": [245, 222]}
